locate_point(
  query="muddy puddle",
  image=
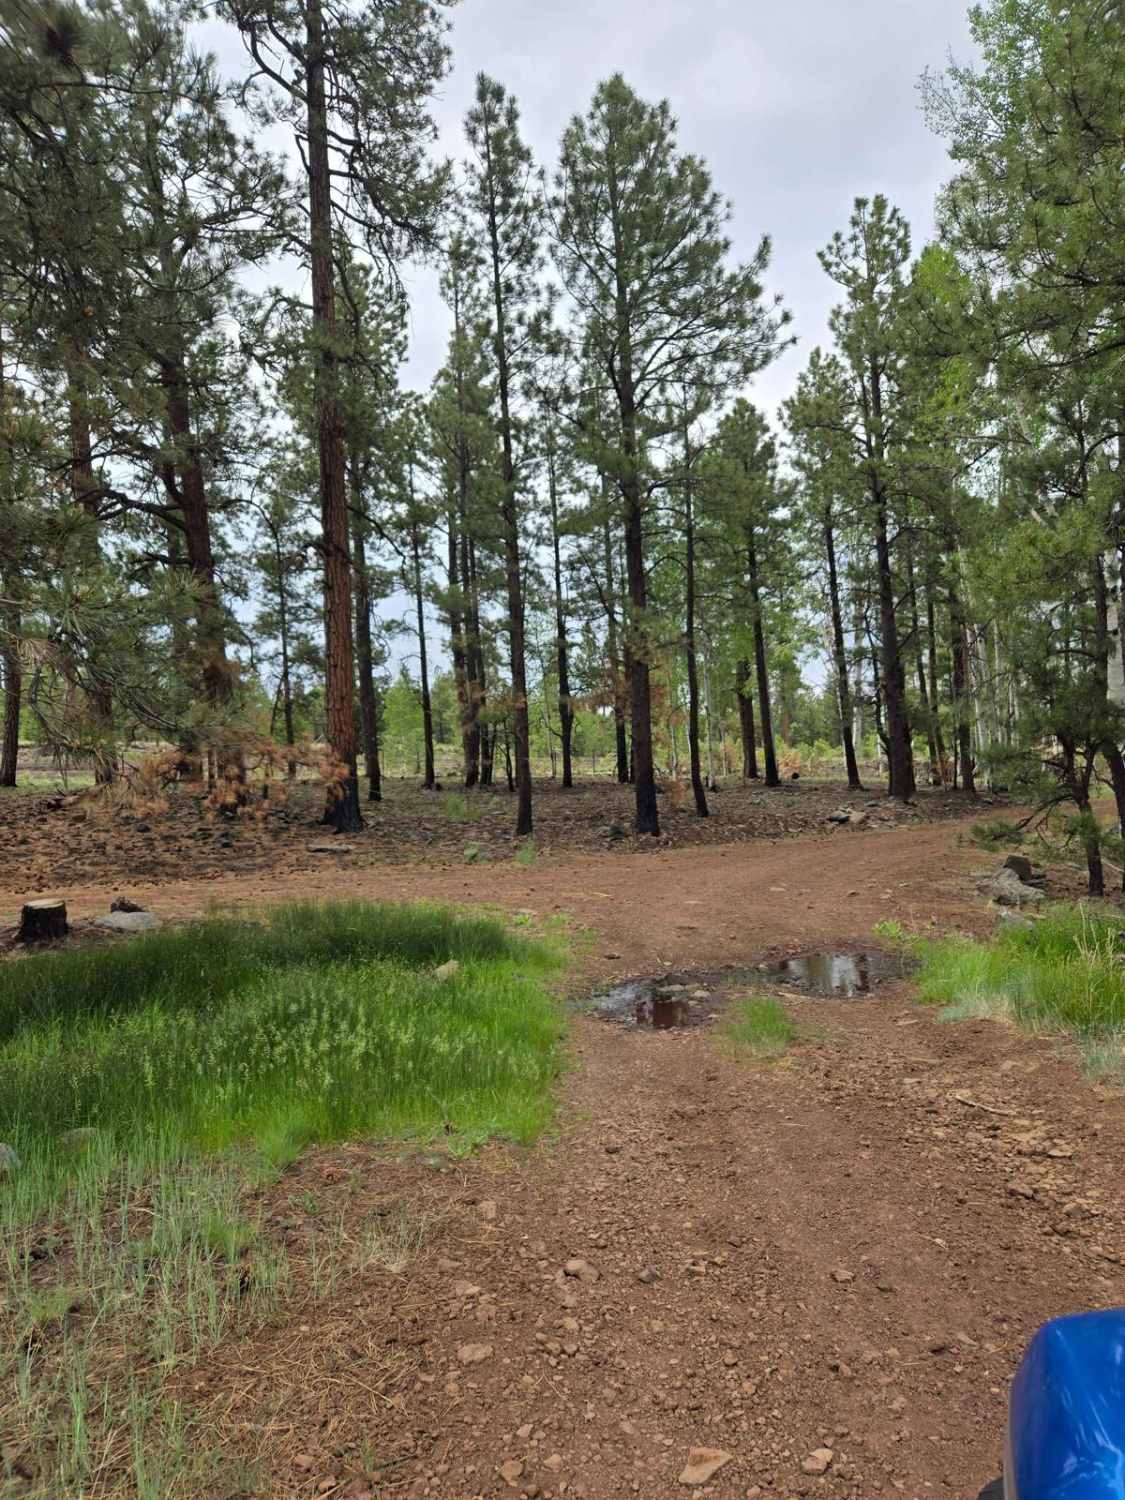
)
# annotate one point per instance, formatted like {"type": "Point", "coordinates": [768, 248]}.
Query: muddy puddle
{"type": "Point", "coordinates": [656, 1005]}
{"type": "Point", "coordinates": [840, 974]}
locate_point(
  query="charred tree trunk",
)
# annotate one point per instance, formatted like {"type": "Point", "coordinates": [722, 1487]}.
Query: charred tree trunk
{"type": "Point", "coordinates": [342, 809]}
{"type": "Point", "coordinates": [840, 655]}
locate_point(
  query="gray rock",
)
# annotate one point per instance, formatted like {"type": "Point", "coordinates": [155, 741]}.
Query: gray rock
{"type": "Point", "coordinates": [1007, 889]}
{"type": "Point", "coordinates": [129, 921]}
{"type": "Point", "coordinates": [1020, 866]}
{"type": "Point", "coordinates": [330, 846]}
{"type": "Point", "coordinates": [1012, 921]}
{"type": "Point", "coordinates": [842, 815]}
{"type": "Point", "coordinates": [9, 1161]}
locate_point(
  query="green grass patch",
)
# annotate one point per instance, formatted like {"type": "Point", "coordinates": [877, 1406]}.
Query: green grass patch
{"type": "Point", "coordinates": [317, 1023]}
{"type": "Point", "coordinates": [1066, 974]}
{"type": "Point", "coordinates": [759, 1025]}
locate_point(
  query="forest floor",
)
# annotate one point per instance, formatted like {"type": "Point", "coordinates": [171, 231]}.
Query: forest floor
{"type": "Point", "coordinates": [824, 1268]}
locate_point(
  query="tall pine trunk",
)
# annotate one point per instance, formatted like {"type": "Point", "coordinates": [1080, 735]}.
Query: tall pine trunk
{"type": "Point", "coordinates": [562, 652]}
{"type": "Point", "coordinates": [744, 694]}
{"type": "Point", "coordinates": [423, 657]}
{"type": "Point", "coordinates": [959, 650]}
{"type": "Point", "coordinates": [930, 706]}
{"type": "Point", "coordinates": [840, 655]}
{"type": "Point", "coordinates": [365, 661]}
{"type": "Point", "coordinates": [761, 663]}
{"type": "Point", "coordinates": [342, 809]}
{"type": "Point", "coordinates": [83, 486]}
{"type": "Point", "coordinates": [932, 651]}
{"type": "Point", "coordinates": [616, 666]}
{"type": "Point", "coordinates": [456, 617]}
{"type": "Point", "coordinates": [509, 515]}
{"type": "Point", "coordinates": [689, 641]}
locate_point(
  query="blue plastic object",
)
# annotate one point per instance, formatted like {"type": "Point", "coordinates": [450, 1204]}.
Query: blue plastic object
{"type": "Point", "coordinates": [1066, 1417]}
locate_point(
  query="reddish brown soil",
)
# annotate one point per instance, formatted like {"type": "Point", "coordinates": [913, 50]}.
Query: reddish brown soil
{"type": "Point", "coordinates": [847, 1249]}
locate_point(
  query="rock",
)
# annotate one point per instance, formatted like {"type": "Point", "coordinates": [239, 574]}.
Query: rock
{"type": "Point", "coordinates": [9, 1161]}
{"type": "Point", "coordinates": [842, 1276]}
{"type": "Point", "coordinates": [330, 846]}
{"type": "Point", "coordinates": [1020, 866]}
{"type": "Point", "coordinates": [857, 819]}
{"type": "Point", "coordinates": [1012, 921]}
{"type": "Point", "coordinates": [129, 921]}
{"type": "Point", "coordinates": [474, 1354]}
{"type": "Point", "coordinates": [447, 970]}
{"type": "Point", "coordinates": [123, 903]}
{"type": "Point", "coordinates": [1007, 889]}
{"type": "Point", "coordinates": [582, 1270]}
{"type": "Point", "coordinates": [511, 1472]}
{"type": "Point", "coordinates": [612, 1148]}
{"type": "Point", "coordinates": [648, 1275]}
{"type": "Point", "coordinates": [841, 815]}
{"type": "Point", "coordinates": [553, 1462]}
{"type": "Point", "coordinates": [819, 1461]}
{"type": "Point", "coordinates": [703, 1464]}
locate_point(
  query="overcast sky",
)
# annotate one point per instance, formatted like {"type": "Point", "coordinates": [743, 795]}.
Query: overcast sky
{"type": "Point", "coordinates": [797, 107]}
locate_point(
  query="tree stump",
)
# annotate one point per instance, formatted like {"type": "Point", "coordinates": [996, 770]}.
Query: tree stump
{"type": "Point", "coordinates": [43, 922]}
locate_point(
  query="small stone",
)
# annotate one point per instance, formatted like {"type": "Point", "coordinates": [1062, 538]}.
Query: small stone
{"type": "Point", "coordinates": [447, 970]}
{"type": "Point", "coordinates": [730, 1359]}
{"type": "Point", "coordinates": [843, 1276]}
{"type": "Point", "coordinates": [525, 1431]}
{"type": "Point", "coordinates": [330, 846]}
{"type": "Point", "coordinates": [703, 1464]}
{"type": "Point", "coordinates": [819, 1461]}
{"type": "Point", "coordinates": [464, 1289]}
{"type": "Point", "coordinates": [581, 1270]}
{"type": "Point", "coordinates": [612, 1148]}
{"type": "Point", "coordinates": [304, 1461]}
{"type": "Point", "coordinates": [554, 1462]}
{"type": "Point", "coordinates": [648, 1275]}
{"type": "Point", "coordinates": [474, 1354]}
{"type": "Point", "coordinates": [9, 1161]}
{"type": "Point", "coordinates": [511, 1471]}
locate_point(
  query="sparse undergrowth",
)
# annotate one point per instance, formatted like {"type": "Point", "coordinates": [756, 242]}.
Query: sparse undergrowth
{"type": "Point", "coordinates": [1066, 973]}
{"type": "Point", "coordinates": [758, 1024]}
{"type": "Point", "coordinates": [153, 1089]}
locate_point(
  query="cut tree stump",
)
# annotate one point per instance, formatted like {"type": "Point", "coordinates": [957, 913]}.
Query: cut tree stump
{"type": "Point", "coordinates": [43, 922]}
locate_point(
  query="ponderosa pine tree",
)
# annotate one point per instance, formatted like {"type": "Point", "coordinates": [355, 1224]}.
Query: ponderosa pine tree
{"type": "Point", "coordinates": [641, 250]}
{"type": "Point", "coordinates": [353, 82]}
{"type": "Point", "coordinates": [500, 198]}
{"type": "Point", "coordinates": [867, 263]}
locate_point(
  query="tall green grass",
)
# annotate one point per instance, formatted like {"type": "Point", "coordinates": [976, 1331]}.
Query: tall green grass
{"type": "Point", "coordinates": [1067, 974]}
{"type": "Point", "coordinates": [316, 1023]}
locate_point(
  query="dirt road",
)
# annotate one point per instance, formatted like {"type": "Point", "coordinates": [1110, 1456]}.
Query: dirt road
{"type": "Point", "coordinates": [823, 1271]}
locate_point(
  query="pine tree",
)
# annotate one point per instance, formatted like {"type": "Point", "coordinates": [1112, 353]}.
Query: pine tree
{"type": "Point", "coordinates": [640, 248]}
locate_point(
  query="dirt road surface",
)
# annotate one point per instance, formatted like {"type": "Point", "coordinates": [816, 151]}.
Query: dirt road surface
{"type": "Point", "coordinates": [822, 1271]}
